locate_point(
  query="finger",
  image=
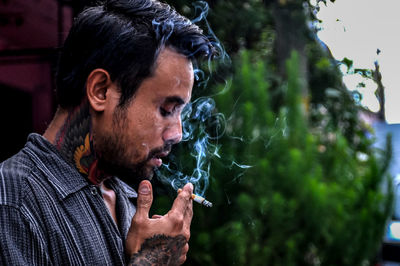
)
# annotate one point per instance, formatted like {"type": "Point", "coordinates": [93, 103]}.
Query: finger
{"type": "Point", "coordinates": [156, 216]}
{"type": "Point", "coordinates": [188, 216]}
{"type": "Point", "coordinates": [183, 199]}
{"type": "Point", "coordinates": [185, 250]}
{"type": "Point", "coordinates": [144, 200]}
{"type": "Point", "coordinates": [182, 260]}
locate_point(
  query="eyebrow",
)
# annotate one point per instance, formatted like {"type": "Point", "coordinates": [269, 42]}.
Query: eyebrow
{"type": "Point", "coordinates": [174, 99]}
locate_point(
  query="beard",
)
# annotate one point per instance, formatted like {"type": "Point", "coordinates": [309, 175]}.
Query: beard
{"type": "Point", "coordinates": [131, 174]}
{"type": "Point", "coordinates": [115, 158]}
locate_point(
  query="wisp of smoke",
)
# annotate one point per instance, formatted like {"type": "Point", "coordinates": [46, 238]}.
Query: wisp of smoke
{"type": "Point", "coordinates": [202, 126]}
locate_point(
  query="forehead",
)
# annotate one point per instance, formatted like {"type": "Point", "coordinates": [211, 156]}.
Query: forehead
{"type": "Point", "coordinates": [173, 77]}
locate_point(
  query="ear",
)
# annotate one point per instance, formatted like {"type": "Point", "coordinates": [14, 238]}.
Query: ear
{"type": "Point", "coordinates": [97, 84]}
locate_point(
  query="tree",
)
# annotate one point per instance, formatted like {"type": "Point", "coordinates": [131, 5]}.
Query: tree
{"type": "Point", "coordinates": [296, 181]}
{"type": "Point", "coordinates": [309, 197]}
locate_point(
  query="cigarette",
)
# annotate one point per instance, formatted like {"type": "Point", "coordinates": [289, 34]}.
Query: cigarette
{"type": "Point", "coordinates": [199, 199]}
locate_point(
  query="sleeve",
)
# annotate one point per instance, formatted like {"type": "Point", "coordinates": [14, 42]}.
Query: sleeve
{"type": "Point", "coordinates": [20, 241]}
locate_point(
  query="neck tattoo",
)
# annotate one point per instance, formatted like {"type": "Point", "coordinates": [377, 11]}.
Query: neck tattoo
{"type": "Point", "coordinates": [75, 142]}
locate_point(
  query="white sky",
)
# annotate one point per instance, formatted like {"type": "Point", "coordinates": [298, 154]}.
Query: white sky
{"type": "Point", "coordinates": [356, 29]}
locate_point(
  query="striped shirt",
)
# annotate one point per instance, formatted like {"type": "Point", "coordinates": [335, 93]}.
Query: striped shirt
{"type": "Point", "coordinates": [51, 215]}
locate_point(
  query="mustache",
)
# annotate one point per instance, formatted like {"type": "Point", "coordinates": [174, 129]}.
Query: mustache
{"type": "Point", "coordinates": [164, 149]}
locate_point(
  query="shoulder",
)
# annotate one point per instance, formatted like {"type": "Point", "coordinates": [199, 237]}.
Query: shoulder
{"type": "Point", "coordinates": [14, 173]}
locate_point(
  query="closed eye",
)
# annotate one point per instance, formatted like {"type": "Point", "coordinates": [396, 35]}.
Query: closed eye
{"type": "Point", "coordinates": [171, 105]}
{"type": "Point", "coordinates": [164, 112]}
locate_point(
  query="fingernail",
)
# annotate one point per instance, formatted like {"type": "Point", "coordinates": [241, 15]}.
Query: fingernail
{"type": "Point", "coordinates": [191, 185]}
{"type": "Point", "coordinates": [144, 188]}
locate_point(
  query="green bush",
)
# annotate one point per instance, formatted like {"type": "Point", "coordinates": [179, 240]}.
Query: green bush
{"type": "Point", "coordinates": [308, 197]}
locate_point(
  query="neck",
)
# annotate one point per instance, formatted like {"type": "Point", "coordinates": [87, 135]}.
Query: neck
{"type": "Point", "coordinates": [70, 132]}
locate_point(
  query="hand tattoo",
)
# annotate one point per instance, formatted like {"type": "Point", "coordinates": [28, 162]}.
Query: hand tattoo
{"type": "Point", "coordinates": [159, 250]}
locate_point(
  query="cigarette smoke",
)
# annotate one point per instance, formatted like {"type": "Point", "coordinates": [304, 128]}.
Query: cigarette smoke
{"type": "Point", "coordinates": [202, 125]}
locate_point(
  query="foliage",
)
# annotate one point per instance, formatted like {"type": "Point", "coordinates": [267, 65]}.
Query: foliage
{"type": "Point", "coordinates": [248, 29]}
{"type": "Point", "coordinates": [308, 199]}
{"type": "Point", "coordinates": [314, 194]}
{"type": "Point", "coordinates": [250, 24]}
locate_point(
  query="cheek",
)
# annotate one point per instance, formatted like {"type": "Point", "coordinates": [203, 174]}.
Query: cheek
{"type": "Point", "coordinates": [145, 132]}
{"type": "Point", "coordinates": [149, 123]}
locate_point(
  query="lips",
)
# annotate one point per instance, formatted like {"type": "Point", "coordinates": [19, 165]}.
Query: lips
{"type": "Point", "coordinates": [156, 159]}
{"type": "Point", "coordinates": [157, 162]}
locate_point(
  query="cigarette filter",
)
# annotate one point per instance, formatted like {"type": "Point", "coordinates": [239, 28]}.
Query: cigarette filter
{"type": "Point", "coordinates": [199, 199]}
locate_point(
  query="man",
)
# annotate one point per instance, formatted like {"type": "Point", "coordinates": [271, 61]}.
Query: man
{"type": "Point", "coordinates": [124, 76]}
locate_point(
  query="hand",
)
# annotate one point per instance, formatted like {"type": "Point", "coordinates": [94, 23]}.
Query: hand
{"type": "Point", "coordinates": [160, 240]}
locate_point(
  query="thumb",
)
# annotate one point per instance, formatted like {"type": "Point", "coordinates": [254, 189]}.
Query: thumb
{"type": "Point", "coordinates": [145, 199]}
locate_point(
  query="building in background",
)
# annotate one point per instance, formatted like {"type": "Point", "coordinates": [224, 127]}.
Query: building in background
{"type": "Point", "coordinates": [31, 32]}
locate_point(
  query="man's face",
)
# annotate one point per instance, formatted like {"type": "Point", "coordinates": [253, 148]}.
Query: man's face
{"type": "Point", "coordinates": [135, 138]}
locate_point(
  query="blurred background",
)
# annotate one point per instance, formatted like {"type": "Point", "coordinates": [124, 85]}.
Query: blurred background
{"type": "Point", "coordinates": [305, 172]}
{"type": "Point", "coordinates": [30, 34]}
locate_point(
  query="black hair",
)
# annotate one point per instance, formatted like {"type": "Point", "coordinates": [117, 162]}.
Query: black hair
{"type": "Point", "coordinates": [124, 37]}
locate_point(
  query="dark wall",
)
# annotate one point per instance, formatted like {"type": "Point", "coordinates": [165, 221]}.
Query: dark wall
{"type": "Point", "coordinates": [30, 32]}
{"type": "Point", "coordinates": [16, 121]}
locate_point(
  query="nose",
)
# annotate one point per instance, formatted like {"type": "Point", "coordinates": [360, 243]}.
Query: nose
{"type": "Point", "coordinates": [173, 133]}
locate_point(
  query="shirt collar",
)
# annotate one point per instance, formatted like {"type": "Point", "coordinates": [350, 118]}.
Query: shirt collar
{"type": "Point", "coordinates": [125, 188]}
